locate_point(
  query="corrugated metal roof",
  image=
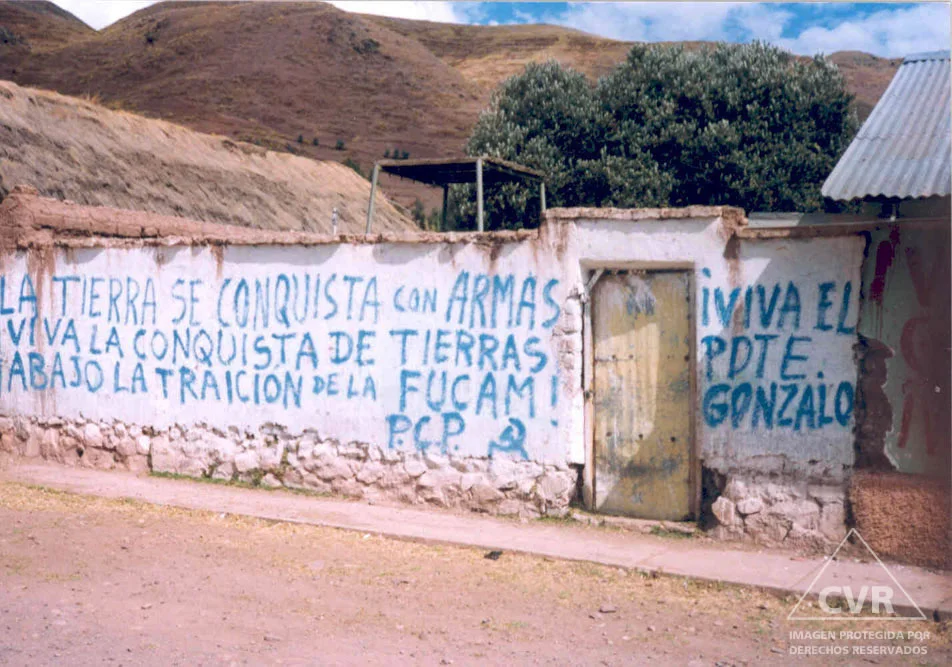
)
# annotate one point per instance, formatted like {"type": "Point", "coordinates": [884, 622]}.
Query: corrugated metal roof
{"type": "Point", "coordinates": [903, 149]}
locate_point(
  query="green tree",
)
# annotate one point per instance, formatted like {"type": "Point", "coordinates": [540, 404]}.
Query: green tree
{"type": "Point", "coordinates": [418, 211]}
{"type": "Point", "coordinates": [353, 164]}
{"type": "Point", "coordinates": [746, 125]}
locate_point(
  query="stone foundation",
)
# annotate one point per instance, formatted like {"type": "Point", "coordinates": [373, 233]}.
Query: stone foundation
{"type": "Point", "coordinates": [774, 511]}
{"type": "Point", "coordinates": [272, 457]}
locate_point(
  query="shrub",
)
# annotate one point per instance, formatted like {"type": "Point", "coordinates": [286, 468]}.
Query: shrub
{"type": "Point", "coordinates": [747, 125]}
{"type": "Point", "coordinates": [300, 139]}
{"type": "Point", "coordinates": [315, 142]}
{"type": "Point", "coordinates": [353, 164]}
{"type": "Point", "coordinates": [418, 212]}
{"type": "Point", "coordinates": [339, 145]}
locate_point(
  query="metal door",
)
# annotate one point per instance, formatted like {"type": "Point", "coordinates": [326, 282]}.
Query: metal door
{"type": "Point", "coordinates": [641, 324]}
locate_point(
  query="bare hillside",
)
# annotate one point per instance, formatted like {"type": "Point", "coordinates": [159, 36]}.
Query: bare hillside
{"type": "Point", "coordinates": [73, 149]}
{"type": "Point", "coordinates": [274, 73]}
{"type": "Point", "coordinates": [270, 73]}
{"type": "Point", "coordinates": [487, 55]}
{"type": "Point", "coordinates": [30, 27]}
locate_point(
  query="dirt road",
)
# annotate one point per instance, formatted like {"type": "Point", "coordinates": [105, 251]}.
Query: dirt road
{"type": "Point", "coordinates": [91, 581]}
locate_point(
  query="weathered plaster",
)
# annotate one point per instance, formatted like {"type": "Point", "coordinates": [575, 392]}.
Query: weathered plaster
{"type": "Point", "coordinates": [343, 374]}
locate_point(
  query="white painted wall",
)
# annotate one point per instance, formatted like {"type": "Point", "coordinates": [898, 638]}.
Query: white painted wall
{"type": "Point", "coordinates": [372, 390]}
{"type": "Point", "coordinates": [352, 359]}
{"type": "Point", "coordinates": [816, 342]}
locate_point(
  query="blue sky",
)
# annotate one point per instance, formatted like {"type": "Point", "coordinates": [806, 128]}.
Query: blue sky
{"type": "Point", "coordinates": [884, 29]}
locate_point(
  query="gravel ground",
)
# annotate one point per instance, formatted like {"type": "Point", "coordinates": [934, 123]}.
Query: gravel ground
{"type": "Point", "coordinates": [93, 581]}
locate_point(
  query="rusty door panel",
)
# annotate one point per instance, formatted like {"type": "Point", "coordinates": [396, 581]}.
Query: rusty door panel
{"type": "Point", "coordinates": [641, 324]}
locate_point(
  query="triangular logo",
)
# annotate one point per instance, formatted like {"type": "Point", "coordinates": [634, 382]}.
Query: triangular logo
{"type": "Point", "coordinates": [845, 593]}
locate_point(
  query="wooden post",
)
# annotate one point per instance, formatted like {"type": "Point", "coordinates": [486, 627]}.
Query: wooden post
{"type": "Point", "coordinates": [479, 193]}
{"type": "Point", "coordinates": [446, 202]}
{"type": "Point", "coordinates": [373, 195]}
{"type": "Point", "coordinates": [588, 392]}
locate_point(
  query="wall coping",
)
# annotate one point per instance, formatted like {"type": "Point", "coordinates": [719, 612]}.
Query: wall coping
{"type": "Point", "coordinates": [30, 220]}
{"type": "Point", "coordinates": [731, 213]}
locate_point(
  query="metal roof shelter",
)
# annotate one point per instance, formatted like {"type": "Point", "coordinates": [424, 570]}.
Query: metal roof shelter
{"type": "Point", "coordinates": [445, 172]}
{"type": "Point", "coordinates": [903, 150]}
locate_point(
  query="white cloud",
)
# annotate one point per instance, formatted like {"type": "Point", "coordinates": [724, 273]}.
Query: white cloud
{"type": "Point", "coordinates": [101, 13]}
{"type": "Point", "coordinates": [647, 21]}
{"type": "Point", "coordinates": [421, 10]}
{"type": "Point", "coordinates": [887, 32]}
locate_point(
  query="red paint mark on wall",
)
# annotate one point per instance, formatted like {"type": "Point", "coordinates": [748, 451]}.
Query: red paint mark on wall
{"type": "Point", "coordinates": [924, 344]}
{"type": "Point", "coordinates": [885, 254]}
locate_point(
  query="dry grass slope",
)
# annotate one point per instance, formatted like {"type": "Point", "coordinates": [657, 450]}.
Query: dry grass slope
{"type": "Point", "coordinates": [270, 72]}
{"type": "Point", "coordinates": [74, 149]}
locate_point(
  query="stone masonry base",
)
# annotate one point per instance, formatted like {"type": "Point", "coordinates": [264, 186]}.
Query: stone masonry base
{"type": "Point", "coordinates": [774, 511]}
{"type": "Point", "coordinates": [271, 457]}
{"type": "Point", "coordinates": [765, 510]}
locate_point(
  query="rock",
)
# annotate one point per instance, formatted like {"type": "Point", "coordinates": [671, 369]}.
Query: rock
{"type": "Point", "coordinates": [414, 467]}
{"type": "Point", "coordinates": [724, 510]}
{"type": "Point", "coordinates": [370, 473]}
{"type": "Point", "coordinates": [49, 447]}
{"type": "Point", "coordinates": [352, 451]}
{"type": "Point", "coordinates": [832, 523]}
{"type": "Point", "coordinates": [485, 494]}
{"type": "Point", "coordinates": [503, 473]}
{"type": "Point", "coordinates": [269, 458]}
{"type": "Point", "coordinates": [607, 609]}
{"type": "Point", "coordinates": [220, 449]}
{"type": "Point", "coordinates": [806, 540]}
{"type": "Point", "coordinates": [434, 460]}
{"type": "Point", "coordinates": [510, 507]}
{"type": "Point", "coordinates": [33, 447]}
{"type": "Point", "coordinates": [390, 455]}
{"type": "Point", "coordinates": [348, 487]}
{"type": "Point", "coordinates": [246, 461]}
{"type": "Point", "coordinates": [804, 513]}
{"type": "Point", "coordinates": [736, 489]}
{"type": "Point", "coordinates": [554, 488]}
{"type": "Point", "coordinates": [525, 486]}
{"type": "Point", "coordinates": [335, 469]}
{"type": "Point", "coordinates": [92, 436]}
{"type": "Point", "coordinates": [469, 480]}
{"type": "Point", "coordinates": [143, 444]}
{"type": "Point", "coordinates": [270, 481]}
{"type": "Point", "coordinates": [428, 480]}
{"type": "Point", "coordinates": [224, 471]}
{"type": "Point", "coordinates": [125, 447]}
{"type": "Point", "coordinates": [766, 528]}
{"type": "Point", "coordinates": [394, 477]}
{"type": "Point", "coordinates": [826, 494]}
{"type": "Point", "coordinates": [749, 506]}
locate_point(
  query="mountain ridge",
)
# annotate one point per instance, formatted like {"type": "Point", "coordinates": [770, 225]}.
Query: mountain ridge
{"type": "Point", "coordinates": [284, 74]}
